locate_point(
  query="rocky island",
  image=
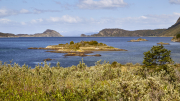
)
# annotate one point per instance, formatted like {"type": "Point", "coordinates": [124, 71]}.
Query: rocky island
{"type": "Point", "coordinates": [138, 40]}
{"type": "Point", "coordinates": [162, 43]}
{"type": "Point", "coordinates": [79, 49]}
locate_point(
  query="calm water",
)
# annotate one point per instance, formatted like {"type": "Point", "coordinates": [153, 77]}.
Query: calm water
{"type": "Point", "coordinates": [16, 49]}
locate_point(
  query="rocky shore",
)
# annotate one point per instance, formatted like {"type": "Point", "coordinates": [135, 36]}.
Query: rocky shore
{"type": "Point", "coordinates": [138, 40]}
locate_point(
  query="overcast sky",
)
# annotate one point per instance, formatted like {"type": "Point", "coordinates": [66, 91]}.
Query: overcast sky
{"type": "Point", "coordinates": [74, 17]}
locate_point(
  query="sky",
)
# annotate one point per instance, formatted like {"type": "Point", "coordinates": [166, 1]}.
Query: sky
{"type": "Point", "coordinates": [76, 17]}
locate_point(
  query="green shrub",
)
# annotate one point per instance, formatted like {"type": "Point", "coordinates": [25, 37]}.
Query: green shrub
{"type": "Point", "coordinates": [93, 43]}
{"type": "Point", "coordinates": [71, 42]}
{"type": "Point", "coordinates": [157, 56]}
{"type": "Point", "coordinates": [113, 64]}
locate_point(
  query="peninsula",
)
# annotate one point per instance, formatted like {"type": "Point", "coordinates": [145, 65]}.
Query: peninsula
{"type": "Point", "coordinates": [79, 49]}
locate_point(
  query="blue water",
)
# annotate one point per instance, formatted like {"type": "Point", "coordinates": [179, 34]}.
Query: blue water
{"type": "Point", "coordinates": [16, 49]}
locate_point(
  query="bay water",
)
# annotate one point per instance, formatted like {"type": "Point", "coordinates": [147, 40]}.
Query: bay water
{"type": "Point", "coordinates": [16, 49]}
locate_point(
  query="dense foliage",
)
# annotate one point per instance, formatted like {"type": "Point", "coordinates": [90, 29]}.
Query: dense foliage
{"type": "Point", "coordinates": [157, 56]}
{"type": "Point", "coordinates": [100, 82]}
{"type": "Point", "coordinates": [178, 35]}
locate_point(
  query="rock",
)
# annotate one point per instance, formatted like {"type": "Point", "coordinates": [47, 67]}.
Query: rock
{"type": "Point", "coordinates": [48, 59]}
{"type": "Point", "coordinates": [162, 43]}
{"type": "Point", "coordinates": [33, 48]}
{"type": "Point", "coordinates": [133, 40]}
{"type": "Point", "coordinates": [97, 55]}
{"type": "Point", "coordinates": [138, 40]}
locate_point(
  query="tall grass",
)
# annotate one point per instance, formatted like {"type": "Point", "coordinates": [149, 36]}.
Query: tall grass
{"type": "Point", "coordinates": [100, 82]}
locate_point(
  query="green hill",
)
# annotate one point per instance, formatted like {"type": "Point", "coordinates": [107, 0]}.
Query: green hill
{"type": "Point", "coordinates": [173, 30]}
{"type": "Point", "coordinates": [123, 33]}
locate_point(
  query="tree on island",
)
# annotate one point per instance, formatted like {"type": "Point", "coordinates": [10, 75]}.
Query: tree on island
{"type": "Point", "coordinates": [178, 35]}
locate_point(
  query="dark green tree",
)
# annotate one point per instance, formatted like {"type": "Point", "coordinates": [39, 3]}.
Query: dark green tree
{"type": "Point", "coordinates": [178, 35]}
{"type": "Point", "coordinates": [157, 56]}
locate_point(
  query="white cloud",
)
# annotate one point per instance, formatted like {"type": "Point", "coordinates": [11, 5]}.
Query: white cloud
{"type": "Point", "coordinates": [38, 11]}
{"type": "Point", "coordinates": [101, 4]}
{"type": "Point", "coordinates": [24, 11]}
{"type": "Point", "coordinates": [66, 19]}
{"type": "Point", "coordinates": [143, 17]}
{"type": "Point", "coordinates": [174, 1]}
{"type": "Point", "coordinates": [23, 23]}
{"type": "Point", "coordinates": [178, 14]}
{"type": "Point", "coordinates": [5, 21]}
{"type": "Point", "coordinates": [37, 20]}
{"type": "Point", "coordinates": [5, 12]}
{"type": "Point", "coordinates": [8, 12]}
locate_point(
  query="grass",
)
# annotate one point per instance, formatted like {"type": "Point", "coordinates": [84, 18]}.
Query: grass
{"type": "Point", "coordinates": [129, 82]}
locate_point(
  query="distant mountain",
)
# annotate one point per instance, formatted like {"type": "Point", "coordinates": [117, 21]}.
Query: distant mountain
{"type": "Point", "coordinates": [173, 30]}
{"type": "Point", "coordinates": [124, 33]}
{"type": "Point", "coordinates": [7, 35]}
{"type": "Point", "coordinates": [47, 33]}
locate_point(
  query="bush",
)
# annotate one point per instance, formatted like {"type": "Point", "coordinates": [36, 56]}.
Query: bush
{"type": "Point", "coordinates": [93, 43]}
{"type": "Point", "coordinates": [71, 42]}
{"type": "Point", "coordinates": [113, 64]}
{"type": "Point", "coordinates": [157, 56]}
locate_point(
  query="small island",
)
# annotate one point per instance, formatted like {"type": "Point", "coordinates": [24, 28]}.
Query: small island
{"type": "Point", "coordinates": [79, 49]}
{"type": "Point", "coordinates": [162, 43]}
{"type": "Point", "coordinates": [138, 40]}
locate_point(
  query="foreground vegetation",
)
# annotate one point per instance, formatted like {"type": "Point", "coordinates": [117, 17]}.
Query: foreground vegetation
{"type": "Point", "coordinates": [100, 82]}
{"type": "Point", "coordinates": [158, 79]}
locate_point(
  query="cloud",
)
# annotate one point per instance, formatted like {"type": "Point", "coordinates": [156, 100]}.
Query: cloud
{"type": "Point", "coordinates": [66, 19]}
{"type": "Point", "coordinates": [101, 4]}
{"type": "Point", "coordinates": [57, 2]}
{"type": "Point", "coordinates": [23, 23]}
{"type": "Point", "coordinates": [5, 12]}
{"type": "Point", "coordinates": [178, 14]}
{"type": "Point", "coordinates": [37, 20]}
{"type": "Point", "coordinates": [38, 11]}
{"type": "Point", "coordinates": [5, 21]}
{"type": "Point", "coordinates": [8, 12]}
{"type": "Point", "coordinates": [174, 1]}
{"type": "Point", "coordinates": [24, 11]}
